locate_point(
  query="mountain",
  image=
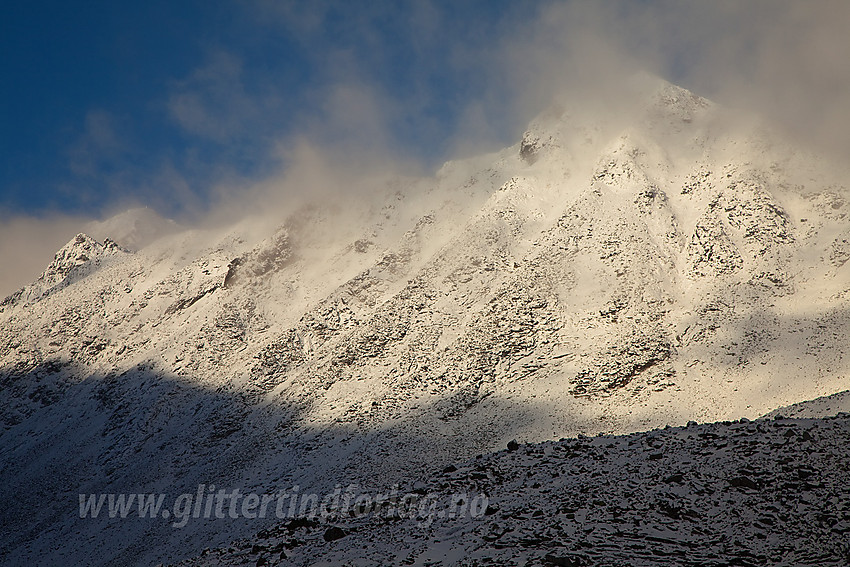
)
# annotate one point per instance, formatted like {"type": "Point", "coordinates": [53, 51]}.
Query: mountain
{"type": "Point", "coordinates": [608, 274]}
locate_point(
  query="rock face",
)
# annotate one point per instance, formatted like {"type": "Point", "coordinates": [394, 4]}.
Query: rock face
{"type": "Point", "coordinates": [599, 276]}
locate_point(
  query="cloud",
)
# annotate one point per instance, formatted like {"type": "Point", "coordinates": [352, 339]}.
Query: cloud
{"type": "Point", "coordinates": [445, 77]}
{"type": "Point", "coordinates": [787, 62]}
{"type": "Point", "coordinates": [433, 65]}
{"type": "Point", "coordinates": [212, 101]}
{"type": "Point", "coordinates": [98, 144]}
{"type": "Point", "coordinates": [790, 62]}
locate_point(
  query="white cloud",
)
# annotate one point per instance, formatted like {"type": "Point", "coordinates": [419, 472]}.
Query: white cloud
{"type": "Point", "coordinates": [98, 143]}
{"type": "Point", "coordinates": [786, 61]}
{"type": "Point", "coordinates": [212, 102]}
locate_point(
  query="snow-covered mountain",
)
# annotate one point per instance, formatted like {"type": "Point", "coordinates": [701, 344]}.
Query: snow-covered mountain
{"type": "Point", "coordinates": [602, 275]}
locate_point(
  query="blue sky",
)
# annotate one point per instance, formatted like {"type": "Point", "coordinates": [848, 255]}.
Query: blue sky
{"type": "Point", "coordinates": [157, 101]}
{"type": "Point", "coordinates": [171, 103]}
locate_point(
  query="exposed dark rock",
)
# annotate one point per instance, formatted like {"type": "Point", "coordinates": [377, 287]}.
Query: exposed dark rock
{"type": "Point", "coordinates": [334, 533]}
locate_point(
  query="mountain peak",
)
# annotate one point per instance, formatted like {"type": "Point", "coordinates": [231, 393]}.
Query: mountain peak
{"type": "Point", "coordinates": [647, 104]}
{"type": "Point", "coordinates": [78, 252]}
{"type": "Point", "coordinates": [75, 260]}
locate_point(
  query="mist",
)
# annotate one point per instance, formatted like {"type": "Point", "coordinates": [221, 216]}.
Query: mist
{"type": "Point", "coordinates": [784, 62]}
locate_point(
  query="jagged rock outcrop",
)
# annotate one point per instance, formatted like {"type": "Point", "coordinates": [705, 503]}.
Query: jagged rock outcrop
{"type": "Point", "coordinates": [711, 251]}
{"type": "Point", "coordinates": [839, 250]}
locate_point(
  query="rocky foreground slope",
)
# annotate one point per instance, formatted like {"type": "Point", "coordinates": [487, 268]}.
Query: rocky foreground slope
{"type": "Point", "coordinates": [745, 493]}
{"type": "Point", "coordinates": [606, 274]}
